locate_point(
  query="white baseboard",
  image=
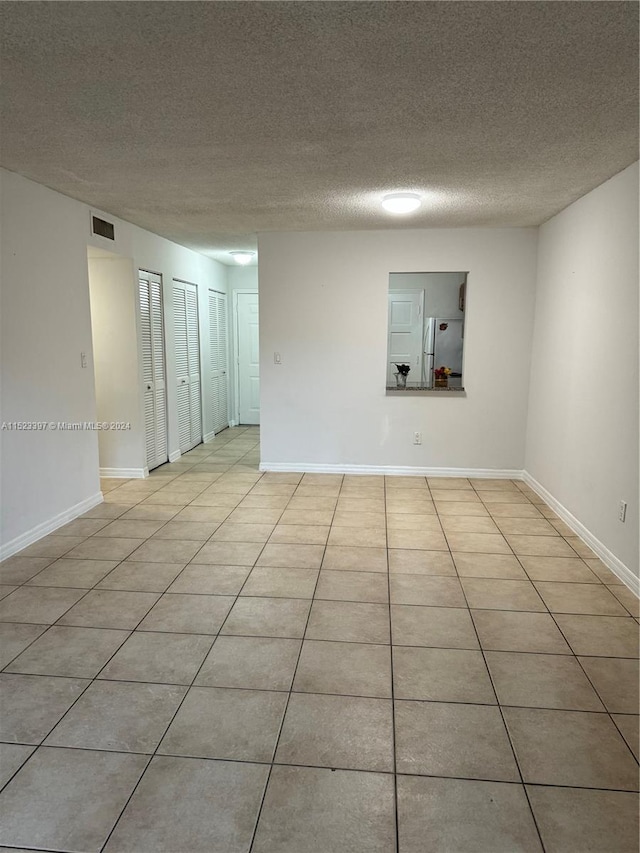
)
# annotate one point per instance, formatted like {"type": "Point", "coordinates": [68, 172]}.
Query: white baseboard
{"type": "Point", "coordinates": [125, 473]}
{"type": "Point", "coordinates": [173, 457]}
{"type": "Point", "coordinates": [49, 526]}
{"type": "Point", "coordinates": [209, 436]}
{"type": "Point", "coordinates": [392, 470]}
{"type": "Point", "coordinates": [608, 558]}
{"type": "Point", "coordinates": [233, 422]}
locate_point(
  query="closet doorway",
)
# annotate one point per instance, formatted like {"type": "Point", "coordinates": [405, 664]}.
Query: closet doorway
{"type": "Point", "coordinates": [187, 351]}
{"type": "Point", "coordinates": [154, 385]}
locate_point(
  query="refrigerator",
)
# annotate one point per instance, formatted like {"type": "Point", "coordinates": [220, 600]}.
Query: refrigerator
{"type": "Point", "coordinates": [442, 347]}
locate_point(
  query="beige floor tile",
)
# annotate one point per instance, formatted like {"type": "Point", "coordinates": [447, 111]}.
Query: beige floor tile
{"type": "Point", "coordinates": [353, 586]}
{"type": "Point", "coordinates": [263, 501]}
{"type": "Point", "coordinates": [131, 528]}
{"type": "Point", "coordinates": [177, 500]}
{"type": "Point", "coordinates": [66, 798]}
{"type": "Point", "coordinates": [83, 527]}
{"type": "Point", "coordinates": [105, 548]}
{"type": "Point", "coordinates": [233, 532]}
{"type": "Point", "coordinates": [31, 705]}
{"type": "Point", "coordinates": [163, 658]}
{"type": "Point", "coordinates": [541, 681]}
{"type": "Point", "coordinates": [441, 675]}
{"type": "Point", "coordinates": [518, 631]}
{"type": "Point", "coordinates": [418, 589]}
{"type": "Point", "coordinates": [310, 479]}
{"type": "Point", "coordinates": [358, 537]}
{"type": "Point", "coordinates": [628, 600]}
{"type": "Point", "coordinates": [502, 496]}
{"type": "Point", "coordinates": [349, 621]}
{"type": "Point", "coordinates": [416, 506]}
{"type": "Point", "coordinates": [600, 636]}
{"type": "Point", "coordinates": [316, 491]}
{"type": "Point", "coordinates": [616, 680]}
{"type": "Point", "coordinates": [283, 477]}
{"type": "Point", "coordinates": [469, 524]}
{"type": "Point", "coordinates": [478, 543]}
{"type": "Point", "coordinates": [416, 562]}
{"type": "Point", "coordinates": [440, 739]}
{"type": "Point", "coordinates": [579, 598]}
{"type": "Point", "coordinates": [17, 570]}
{"type": "Point", "coordinates": [498, 594]}
{"type": "Point", "coordinates": [52, 546]}
{"type": "Point", "coordinates": [462, 814]}
{"type": "Point", "coordinates": [348, 504]}
{"type": "Point", "coordinates": [38, 605]}
{"type": "Point", "coordinates": [141, 577]}
{"type": "Point", "coordinates": [539, 546]}
{"type": "Point", "coordinates": [448, 483]}
{"type": "Point", "coordinates": [117, 715]}
{"type": "Point", "coordinates": [210, 580]}
{"type": "Point", "coordinates": [107, 510]}
{"type": "Point", "coordinates": [602, 572]}
{"type": "Point", "coordinates": [448, 508]}
{"type": "Point", "coordinates": [188, 614]}
{"type": "Point", "coordinates": [408, 521]}
{"type": "Point", "coordinates": [344, 732]}
{"type": "Point", "coordinates": [229, 553]}
{"type": "Point", "coordinates": [354, 669]}
{"type": "Point", "coordinates": [527, 526]}
{"type": "Point", "coordinates": [580, 547]}
{"type": "Point", "coordinates": [577, 820]}
{"type": "Point", "coordinates": [562, 569]}
{"type": "Point", "coordinates": [279, 492]}
{"type": "Point", "coordinates": [281, 582]}
{"type": "Point", "coordinates": [573, 748]}
{"type": "Point", "coordinates": [399, 482]}
{"type": "Point", "coordinates": [102, 608]}
{"type": "Point", "coordinates": [73, 573]}
{"type": "Point", "coordinates": [220, 501]}
{"type": "Point", "coordinates": [313, 504]}
{"type": "Point", "coordinates": [298, 800]}
{"type": "Point", "coordinates": [259, 663]}
{"type": "Point", "coordinates": [259, 516]}
{"type": "Point", "coordinates": [192, 804]}
{"type": "Point", "coordinates": [220, 722]}
{"type": "Point", "coordinates": [292, 556]}
{"type": "Point", "coordinates": [203, 513]}
{"type": "Point", "coordinates": [305, 517]}
{"type": "Point", "coordinates": [454, 496]}
{"type": "Point", "coordinates": [422, 539]}
{"type": "Point", "coordinates": [511, 510]}
{"type": "Point", "coordinates": [268, 617]}
{"type": "Point", "coordinates": [498, 566]}
{"type": "Point", "coordinates": [343, 558]}
{"type": "Point", "coordinates": [444, 627]}
{"type": "Point", "coordinates": [15, 637]}
{"type": "Point", "coordinates": [6, 590]}
{"type": "Point", "coordinates": [71, 652]}
{"type": "Point", "coordinates": [197, 531]}
{"type": "Point", "coordinates": [299, 534]}
{"type": "Point", "coordinates": [166, 551]}
{"type": "Point", "coordinates": [629, 726]}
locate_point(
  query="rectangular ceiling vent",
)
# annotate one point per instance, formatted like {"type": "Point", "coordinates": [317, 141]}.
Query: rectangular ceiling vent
{"type": "Point", "coordinates": [103, 228]}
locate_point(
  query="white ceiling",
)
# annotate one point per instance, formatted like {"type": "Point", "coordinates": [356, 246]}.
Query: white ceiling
{"type": "Point", "coordinates": [207, 122]}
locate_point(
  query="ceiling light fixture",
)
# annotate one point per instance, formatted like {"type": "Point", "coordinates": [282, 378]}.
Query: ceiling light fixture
{"type": "Point", "coordinates": [399, 203]}
{"type": "Point", "coordinates": [243, 258]}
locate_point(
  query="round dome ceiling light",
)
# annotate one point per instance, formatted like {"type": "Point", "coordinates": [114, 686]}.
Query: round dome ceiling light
{"type": "Point", "coordinates": [243, 258]}
{"type": "Point", "coordinates": [400, 203]}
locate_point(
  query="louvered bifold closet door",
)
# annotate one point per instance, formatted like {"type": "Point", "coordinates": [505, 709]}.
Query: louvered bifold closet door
{"type": "Point", "coordinates": [153, 368]}
{"type": "Point", "coordinates": [219, 359]}
{"type": "Point", "coordinates": [185, 323]}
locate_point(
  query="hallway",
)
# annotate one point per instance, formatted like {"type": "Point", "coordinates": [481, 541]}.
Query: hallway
{"type": "Point", "coordinates": [219, 659]}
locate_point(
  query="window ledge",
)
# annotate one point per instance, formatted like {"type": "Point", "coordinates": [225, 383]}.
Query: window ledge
{"type": "Point", "coordinates": [391, 391]}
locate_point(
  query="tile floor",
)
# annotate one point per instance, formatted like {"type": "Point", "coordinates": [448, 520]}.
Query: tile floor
{"type": "Point", "coordinates": [220, 660]}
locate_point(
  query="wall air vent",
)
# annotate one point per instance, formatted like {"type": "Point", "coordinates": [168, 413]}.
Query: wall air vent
{"type": "Point", "coordinates": [103, 228]}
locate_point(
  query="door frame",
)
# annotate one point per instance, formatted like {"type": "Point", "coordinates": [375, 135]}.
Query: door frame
{"type": "Point", "coordinates": [236, 351]}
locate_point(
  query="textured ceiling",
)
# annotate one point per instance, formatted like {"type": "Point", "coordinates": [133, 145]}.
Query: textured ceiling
{"type": "Point", "coordinates": [210, 122]}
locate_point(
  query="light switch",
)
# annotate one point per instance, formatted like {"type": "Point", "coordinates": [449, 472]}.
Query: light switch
{"type": "Point", "coordinates": [83, 359]}
{"type": "Point", "coordinates": [276, 358]}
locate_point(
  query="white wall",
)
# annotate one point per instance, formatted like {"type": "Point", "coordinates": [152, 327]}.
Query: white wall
{"type": "Point", "coordinates": [582, 436]}
{"type": "Point", "coordinates": [112, 287]}
{"type": "Point", "coordinates": [50, 476]}
{"type": "Point", "coordinates": [323, 306]}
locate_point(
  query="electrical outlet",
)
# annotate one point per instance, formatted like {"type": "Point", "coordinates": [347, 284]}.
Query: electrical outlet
{"type": "Point", "coordinates": [417, 438]}
{"type": "Point", "coordinates": [622, 510]}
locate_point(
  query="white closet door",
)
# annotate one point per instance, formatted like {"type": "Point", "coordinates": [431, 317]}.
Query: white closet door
{"type": "Point", "coordinates": [219, 359]}
{"type": "Point", "coordinates": [248, 358]}
{"type": "Point", "coordinates": [153, 368]}
{"type": "Point", "coordinates": [185, 322]}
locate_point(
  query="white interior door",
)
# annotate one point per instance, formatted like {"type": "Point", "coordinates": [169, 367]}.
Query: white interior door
{"type": "Point", "coordinates": [405, 334]}
{"type": "Point", "coordinates": [187, 346]}
{"type": "Point", "coordinates": [154, 390]}
{"type": "Point", "coordinates": [218, 348]}
{"type": "Point", "coordinates": [248, 358]}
